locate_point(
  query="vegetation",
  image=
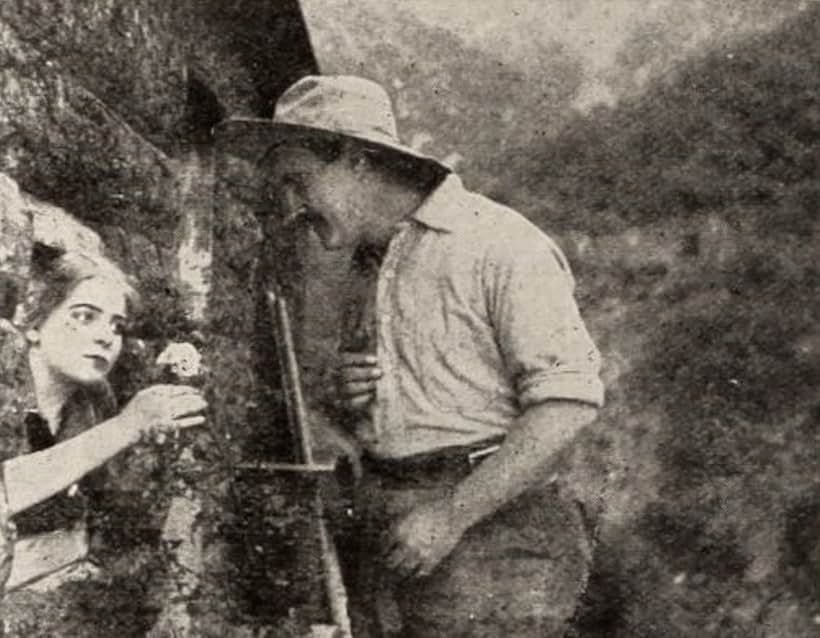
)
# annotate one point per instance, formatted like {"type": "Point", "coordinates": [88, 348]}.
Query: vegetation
{"type": "Point", "coordinates": [713, 172]}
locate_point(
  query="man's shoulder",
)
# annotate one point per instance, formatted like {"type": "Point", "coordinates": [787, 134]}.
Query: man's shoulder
{"type": "Point", "coordinates": [494, 213]}
{"type": "Point", "coordinates": [482, 228]}
{"type": "Point", "coordinates": [454, 208]}
{"type": "Point", "coordinates": [510, 235]}
{"type": "Point", "coordinates": [495, 222]}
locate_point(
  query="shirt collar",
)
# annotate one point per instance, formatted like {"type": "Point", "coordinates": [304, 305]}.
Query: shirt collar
{"type": "Point", "coordinates": [445, 208]}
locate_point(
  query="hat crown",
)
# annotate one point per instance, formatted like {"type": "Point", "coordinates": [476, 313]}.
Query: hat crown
{"type": "Point", "coordinates": [340, 104]}
{"type": "Point", "coordinates": [326, 105]}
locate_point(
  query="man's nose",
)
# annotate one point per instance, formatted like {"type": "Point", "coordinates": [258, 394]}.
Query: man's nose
{"type": "Point", "coordinates": [294, 205]}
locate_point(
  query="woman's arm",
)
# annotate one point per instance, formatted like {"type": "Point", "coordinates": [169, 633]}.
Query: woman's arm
{"type": "Point", "coordinates": [32, 478]}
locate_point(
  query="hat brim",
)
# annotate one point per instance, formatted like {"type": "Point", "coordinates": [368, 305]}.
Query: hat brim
{"type": "Point", "coordinates": [251, 138]}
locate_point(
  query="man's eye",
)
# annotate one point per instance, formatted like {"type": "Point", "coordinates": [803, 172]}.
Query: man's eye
{"type": "Point", "coordinates": [296, 180]}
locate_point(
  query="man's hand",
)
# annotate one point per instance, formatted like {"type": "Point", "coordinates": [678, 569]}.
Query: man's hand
{"type": "Point", "coordinates": [356, 377]}
{"type": "Point", "coordinates": [420, 540]}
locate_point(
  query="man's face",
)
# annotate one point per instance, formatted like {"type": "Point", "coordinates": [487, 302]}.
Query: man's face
{"type": "Point", "coordinates": [328, 195]}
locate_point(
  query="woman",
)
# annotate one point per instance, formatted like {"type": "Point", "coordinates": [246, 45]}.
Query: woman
{"type": "Point", "coordinates": [59, 424]}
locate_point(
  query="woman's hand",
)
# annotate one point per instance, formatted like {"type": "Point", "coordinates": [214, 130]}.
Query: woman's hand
{"type": "Point", "coordinates": [165, 408]}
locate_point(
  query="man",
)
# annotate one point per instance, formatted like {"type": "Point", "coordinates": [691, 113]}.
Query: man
{"type": "Point", "coordinates": [465, 369]}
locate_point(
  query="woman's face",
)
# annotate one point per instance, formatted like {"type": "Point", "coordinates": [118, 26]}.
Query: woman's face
{"type": "Point", "coordinates": [82, 338]}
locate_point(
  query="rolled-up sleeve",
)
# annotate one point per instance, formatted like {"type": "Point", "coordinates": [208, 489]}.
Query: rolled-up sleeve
{"type": "Point", "coordinates": [541, 335]}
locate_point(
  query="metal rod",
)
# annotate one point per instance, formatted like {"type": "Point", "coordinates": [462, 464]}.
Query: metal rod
{"type": "Point", "coordinates": [300, 429]}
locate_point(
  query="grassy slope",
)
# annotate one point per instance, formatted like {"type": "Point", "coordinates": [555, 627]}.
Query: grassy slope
{"type": "Point", "coordinates": [694, 226]}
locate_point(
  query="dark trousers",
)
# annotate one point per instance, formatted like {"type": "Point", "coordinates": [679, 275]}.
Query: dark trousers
{"type": "Point", "coordinates": [517, 573]}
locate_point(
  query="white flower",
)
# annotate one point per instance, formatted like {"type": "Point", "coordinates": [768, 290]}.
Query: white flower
{"type": "Point", "coordinates": [182, 358]}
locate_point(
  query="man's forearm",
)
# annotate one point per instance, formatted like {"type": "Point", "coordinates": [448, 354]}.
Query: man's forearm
{"type": "Point", "coordinates": [523, 460]}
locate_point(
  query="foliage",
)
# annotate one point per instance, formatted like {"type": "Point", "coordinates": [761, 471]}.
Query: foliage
{"type": "Point", "coordinates": [735, 130]}
{"type": "Point", "coordinates": [721, 334]}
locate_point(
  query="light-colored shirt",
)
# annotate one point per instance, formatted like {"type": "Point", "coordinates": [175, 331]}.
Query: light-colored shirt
{"type": "Point", "coordinates": [476, 322]}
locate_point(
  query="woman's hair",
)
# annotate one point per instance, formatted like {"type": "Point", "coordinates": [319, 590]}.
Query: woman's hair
{"type": "Point", "coordinates": [55, 274]}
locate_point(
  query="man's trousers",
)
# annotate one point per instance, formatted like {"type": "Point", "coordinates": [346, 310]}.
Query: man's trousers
{"type": "Point", "coordinates": [517, 573]}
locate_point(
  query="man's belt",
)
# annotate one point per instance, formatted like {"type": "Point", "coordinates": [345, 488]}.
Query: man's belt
{"type": "Point", "coordinates": [460, 459]}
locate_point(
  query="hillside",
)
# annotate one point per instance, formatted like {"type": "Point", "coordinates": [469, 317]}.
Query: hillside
{"type": "Point", "coordinates": [453, 98]}
{"type": "Point", "coordinates": [692, 217]}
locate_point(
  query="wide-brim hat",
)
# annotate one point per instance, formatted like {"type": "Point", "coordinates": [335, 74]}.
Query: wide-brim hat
{"type": "Point", "coordinates": [336, 106]}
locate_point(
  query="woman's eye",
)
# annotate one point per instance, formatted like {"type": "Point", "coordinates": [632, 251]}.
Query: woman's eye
{"type": "Point", "coordinates": [83, 315]}
{"type": "Point", "coordinates": [119, 328]}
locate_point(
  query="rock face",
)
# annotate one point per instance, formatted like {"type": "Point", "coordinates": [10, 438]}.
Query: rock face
{"type": "Point", "coordinates": [16, 234]}
{"type": "Point", "coordinates": [105, 115]}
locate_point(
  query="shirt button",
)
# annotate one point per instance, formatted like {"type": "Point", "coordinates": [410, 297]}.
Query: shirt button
{"type": "Point", "coordinates": [389, 274]}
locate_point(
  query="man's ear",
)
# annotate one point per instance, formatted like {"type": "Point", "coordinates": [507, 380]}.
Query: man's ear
{"type": "Point", "coordinates": [357, 156]}
{"type": "Point", "coordinates": [360, 163]}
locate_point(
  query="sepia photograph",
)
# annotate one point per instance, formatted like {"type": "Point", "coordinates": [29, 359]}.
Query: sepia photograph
{"type": "Point", "coordinates": [409, 318]}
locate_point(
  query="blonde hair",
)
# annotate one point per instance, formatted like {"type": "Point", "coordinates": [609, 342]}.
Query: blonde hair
{"type": "Point", "coordinates": [55, 274]}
